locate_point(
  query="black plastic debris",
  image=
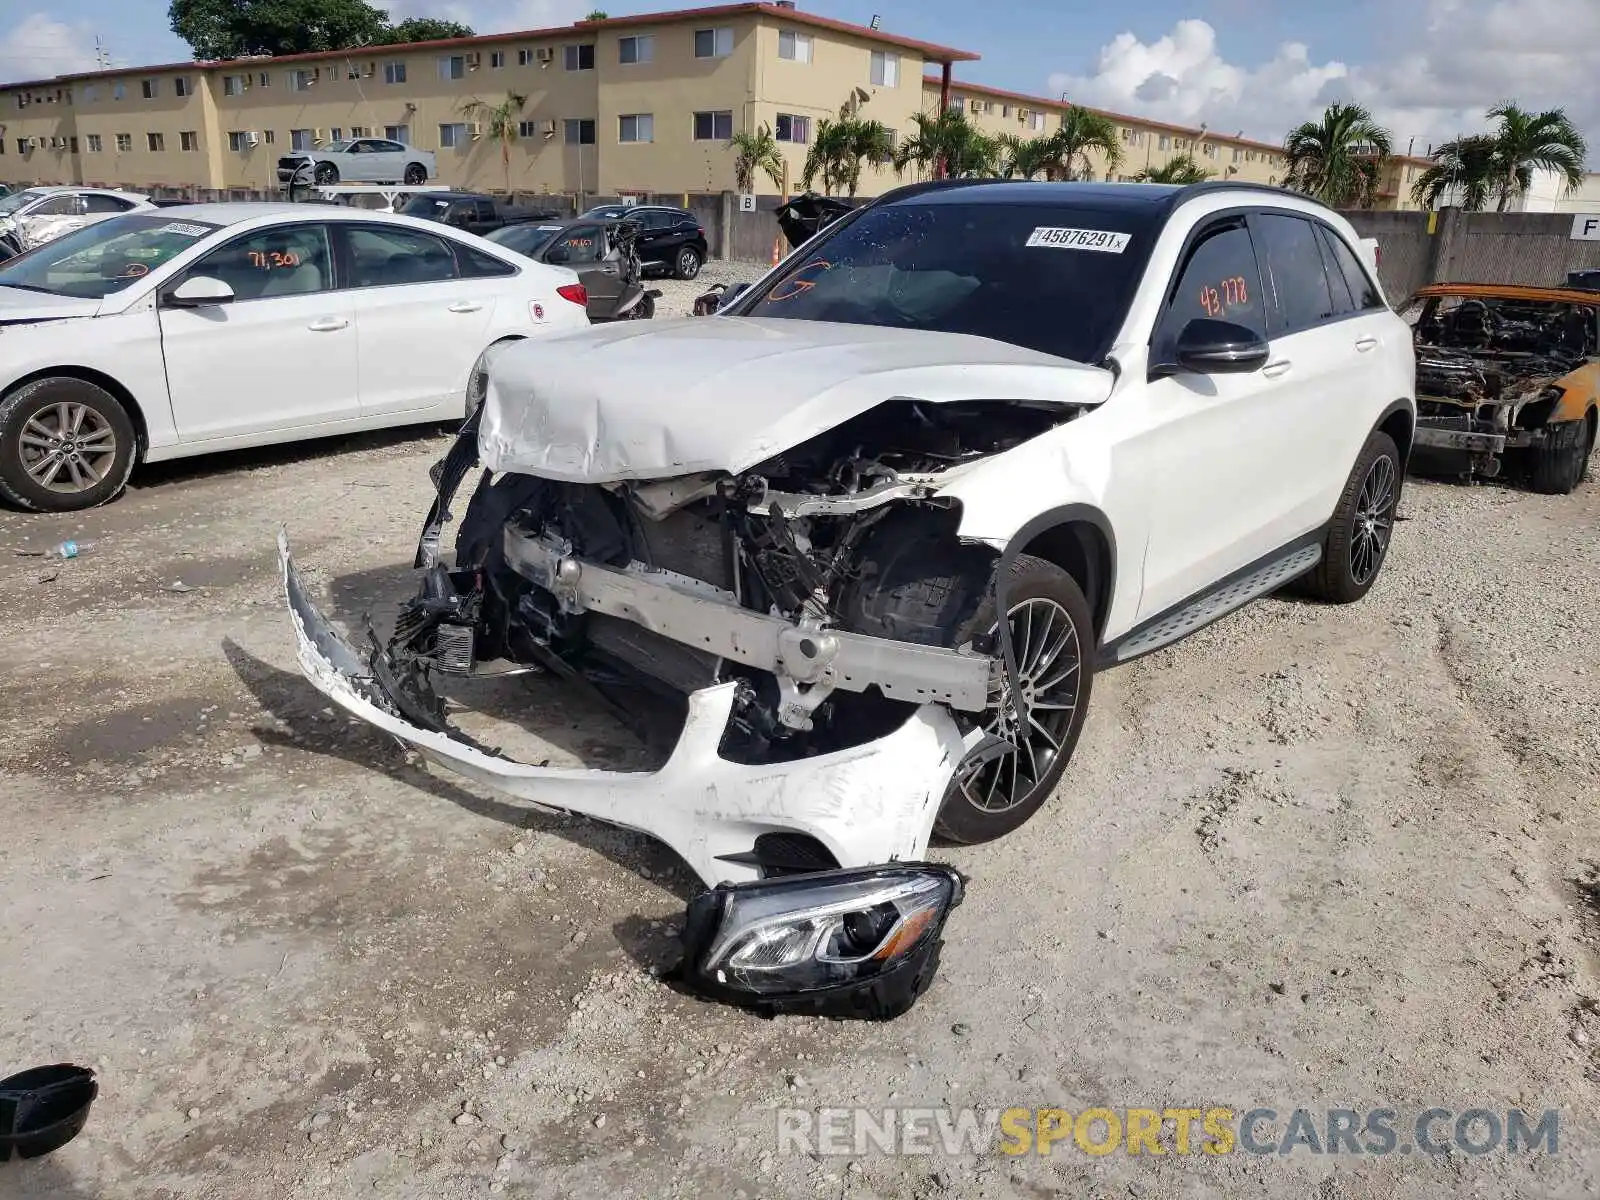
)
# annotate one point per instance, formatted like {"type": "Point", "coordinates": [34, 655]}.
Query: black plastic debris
{"type": "Point", "coordinates": [45, 1108]}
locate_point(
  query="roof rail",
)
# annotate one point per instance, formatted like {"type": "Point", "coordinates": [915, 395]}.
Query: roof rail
{"type": "Point", "coordinates": [1244, 185]}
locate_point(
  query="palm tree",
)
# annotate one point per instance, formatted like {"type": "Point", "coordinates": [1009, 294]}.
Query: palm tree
{"type": "Point", "coordinates": [1463, 172]}
{"type": "Point", "coordinates": [1182, 169]}
{"type": "Point", "coordinates": [838, 150]}
{"type": "Point", "coordinates": [1024, 157]}
{"type": "Point", "coordinates": [1526, 142]}
{"type": "Point", "coordinates": [755, 150]}
{"type": "Point", "coordinates": [951, 140]}
{"type": "Point", "coordinates": [1081, 131]}
{"type": "Point", "coordinates": [1339, 159]}
{"type": "Point", "coordinates": [499, 122]}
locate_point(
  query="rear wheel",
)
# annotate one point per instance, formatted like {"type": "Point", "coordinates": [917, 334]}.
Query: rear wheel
{"type": "Point", "coordinates": [644, 310]}
{"type": "Point", "coordinates": [65, 444]}
{"type": "Point", "coordinates": [1558, 464]}
{"type": "Point", "coordinates": [687, 264]}
{"type": "Point", "coordinates": [416, 174]}
{"type": "Point", "coordinates": [1358, 538]}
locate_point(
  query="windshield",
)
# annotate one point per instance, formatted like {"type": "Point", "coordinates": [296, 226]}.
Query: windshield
{"type": "Point", "coordinates": [425, 206]}
{"type": "Point", "coordinates": [339, 147]}
{"type": "Point", "coordinates": [524, 239]}
{"type": "Point", "coordinates": [1047, 277]}
{"type": "Point", "coordinates": [100, 259]}
{"type": "Point", "coordinates": [10, 204]}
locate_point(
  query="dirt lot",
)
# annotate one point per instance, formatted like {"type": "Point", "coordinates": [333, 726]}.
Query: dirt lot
{"type": "Point", "coordinates": [1311, 858]}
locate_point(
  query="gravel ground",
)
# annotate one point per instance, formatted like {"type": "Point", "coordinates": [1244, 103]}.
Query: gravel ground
{"type": "Point", "coordinates": [1310, 858]}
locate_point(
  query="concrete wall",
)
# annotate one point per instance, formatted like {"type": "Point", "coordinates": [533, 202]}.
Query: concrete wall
{"type": "Point", "coordinates": [1532, 248]}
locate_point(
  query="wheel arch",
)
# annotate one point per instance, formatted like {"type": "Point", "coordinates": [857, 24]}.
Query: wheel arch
{"type": "Point", "coordinates": [141, 427]}
{"type": "Point", "coordinates": [1400, 423]}
{"type": "Point", "coordinates": [1079, 539]}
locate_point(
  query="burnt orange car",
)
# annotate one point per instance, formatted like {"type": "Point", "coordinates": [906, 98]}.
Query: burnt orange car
{"type": "Point", "coordinates": [1508, 376]}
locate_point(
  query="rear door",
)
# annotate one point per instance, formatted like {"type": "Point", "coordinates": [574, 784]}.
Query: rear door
{"type": "Point", "coordinates": [387, 160]}
{"type": "Point", "coordinates": [658, 237]}
{"type": "Point", "coordinates": [420, 323]}
{"type": "Point", "coordinates": [280, 356]}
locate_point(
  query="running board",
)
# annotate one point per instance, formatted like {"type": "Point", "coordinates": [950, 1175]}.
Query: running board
{"type": "Point", "coordinates": [1211, 606]}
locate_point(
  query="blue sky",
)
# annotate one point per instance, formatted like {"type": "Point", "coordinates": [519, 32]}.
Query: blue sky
{"type": "Point", "coordinates": [1427, 68]}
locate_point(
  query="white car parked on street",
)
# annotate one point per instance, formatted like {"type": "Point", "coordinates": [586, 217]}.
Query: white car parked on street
{"type": "Point", "coordinates": [217, 326]}
{"type": "Point", "coordinates": [38, 215]}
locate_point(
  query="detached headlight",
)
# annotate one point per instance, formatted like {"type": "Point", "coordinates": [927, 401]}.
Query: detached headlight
{"type": "Point", "coordinates": [857, 942]}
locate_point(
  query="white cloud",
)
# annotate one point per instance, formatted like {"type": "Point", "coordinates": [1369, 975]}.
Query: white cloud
{"type": "Point", "coordinates": [1467, 55]}
{"type": "Point", "coordinates": [38, 47]}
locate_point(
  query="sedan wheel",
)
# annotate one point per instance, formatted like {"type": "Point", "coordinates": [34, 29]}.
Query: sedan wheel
{"type": "Point", "coordinates": [327, 173]}
{"type": "Point", "coordinates": [416, 175]}
{"type": "Point", "coordinates": [65, 444]}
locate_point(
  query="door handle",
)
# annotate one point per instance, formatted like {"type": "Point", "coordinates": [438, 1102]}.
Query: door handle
{"type": "Point", "coordinates": [1273, 369]}
{"type": "Point", "coordinates": [1365, 344]}
{"type": "Point", "coordinates": [327, 324]}
{"type": "Point", "coordinates": [465, 306]}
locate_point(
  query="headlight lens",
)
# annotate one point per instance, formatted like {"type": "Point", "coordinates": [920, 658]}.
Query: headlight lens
{"type": "Point", "coordinates": [829, 931]}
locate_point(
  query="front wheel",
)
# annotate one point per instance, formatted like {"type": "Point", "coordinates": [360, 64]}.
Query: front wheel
{"type": "Point", "coordinates": [65, 444]}
{"type": "Point", "coordinates": [644, 310]}
{"type": "Point", "coordinates": [326, 174]}
{"type": "Point", "coordinates": [1559, 463]}
{"type": "Point", "coordinates": [416, 174]}
{"type": "Point", "coordinates": [1357, 543]}
{"type": "Point", "coordinates": [687, 264]}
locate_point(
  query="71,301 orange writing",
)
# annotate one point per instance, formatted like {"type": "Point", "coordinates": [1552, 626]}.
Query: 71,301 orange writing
{"type": "Point", "coordinates": [1231, 294]}
{"type": "Point", "coordinates": [265, 260]}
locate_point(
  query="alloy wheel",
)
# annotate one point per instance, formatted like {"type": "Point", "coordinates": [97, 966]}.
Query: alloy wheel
{"type": "Point", "coordinates": [1374, 520]}
{"type": "Point", "coordinates": [67, 447]}
{"type": "Point", "coordinates": [1049, 669]}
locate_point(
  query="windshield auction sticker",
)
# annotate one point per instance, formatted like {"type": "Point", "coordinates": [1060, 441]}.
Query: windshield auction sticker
{"type": "Point", "coordinates": [185, 230]}
{"type": "Point", "coordinates": [1079, 239]}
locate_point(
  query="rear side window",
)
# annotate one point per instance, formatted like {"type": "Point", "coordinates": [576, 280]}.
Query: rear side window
{"type": "Point", "coordinates": [1363, 295]}
{"type": "Point", "coordinates": [1293, 262]}
{"type": "Point", "coordinates": [1219, 282]}
{"type": "Point", "coordinates": [475, 264]}
{"type": "Point", "coordinates": [105, 204]}
{"type": "Point", "coordinates": [382, 257]}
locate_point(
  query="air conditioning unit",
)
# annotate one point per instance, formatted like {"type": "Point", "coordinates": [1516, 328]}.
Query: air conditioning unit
{"type": "Point", "coordinates": [547, 55]}
{"type": "Point", "coordinates": [550, 128]}
{"type": "Point", "coordinates": [252, 139]}
{"type": "Point", "coordinates": [319, 136]}
{"type": "Point", "coordinates": [474, 130]}
{"type": "Point", "coordinates": [1022, 116]}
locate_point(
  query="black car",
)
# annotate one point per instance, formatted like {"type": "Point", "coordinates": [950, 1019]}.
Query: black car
{"type": "Point", "coordinates": [672, 240]}
{"type": "Point", "coordinates": [474, 212]}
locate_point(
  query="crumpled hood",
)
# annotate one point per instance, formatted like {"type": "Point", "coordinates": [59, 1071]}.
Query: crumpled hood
{"type": "Point", "coordinates": [651, 400]}
{"type": "Point", "coordinates": [19, 307]}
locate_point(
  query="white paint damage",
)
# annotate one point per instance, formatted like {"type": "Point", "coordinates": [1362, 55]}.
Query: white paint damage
{"type": "Point", "coordinates": [870, 804]}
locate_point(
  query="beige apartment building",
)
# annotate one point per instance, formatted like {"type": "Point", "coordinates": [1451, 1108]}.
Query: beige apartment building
{"type": "Point", "coordinates": [638, 104]}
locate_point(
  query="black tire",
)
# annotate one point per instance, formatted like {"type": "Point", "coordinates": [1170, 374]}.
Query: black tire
{"type": "Point", "coordinates": [644, 310]}
{"type": "Point", "coordinates": [1357, 544]}
{"type": "Point", "coordinates": [416, 174]}
{"type": "Point", "coordinates": [1557, 465]}
{"type": "Point", "coordinates": [916, 586]}
{"type": "Point", "coordinates": [326, 173]}
{"type": "Point", "coordinates": [103, 423]}
{"type": "Point", "coordinates": [687, 263]}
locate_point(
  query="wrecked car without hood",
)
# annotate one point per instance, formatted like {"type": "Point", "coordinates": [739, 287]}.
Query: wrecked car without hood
{"type": "Point", "coordinates": [1509, 372]}
{"type": "Point", "coordinates": [873, 527]}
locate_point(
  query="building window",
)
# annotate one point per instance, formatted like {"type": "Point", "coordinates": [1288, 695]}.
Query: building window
{"type": "Point", "coordinates": [149, 87]}
{"type": "Point", "coordinates": [72, 144]}
{"type": "Point", "coordinates": [579, 131]}
{"type": "Point", "coordinates": [793, 128]}
{"type": "Point", "coordinates": [636, 49]}
{"type": "Point", "coordinates": [302, 139]}
{"type": "Point", "coordinates": [1211, 150]}
{"type": "Point", "coordinates": [527, 129]}
{"type": "Point", "coordinates": [398, 133]}
{"type": "Point", "coordinates": [189, 140]}
{"type": "Point", "coordinates": [360, 131]}
{"type": "Point", "coordinates": [91, 93]}
{"type": "Point", "coordinates": [182, 87]}
{"type": "Point", "coordinates": [524, 58]}
{"type": "Point", "coordinates": [958, 104]}
{"type": "Point", "coordinates": [264, 79]}
{"type": "Point", "coordinates": [578, 58]}
{"type": "Point", "coordinates": [394, 72]}
{"type": "Point", "coordinates": [716, 126]}
{"type": "Point", "coordinates": [1036, 121]}
{"type": "Point", "coordinates": [232, 85]}
{"type": "Point", "coordinates": [886, 69]}
{"type": "Point", "coordinates": [796, 47]}
{"type": "Point", "coordinates": [301, 81]}
{"type": "Point", "coordinates": [124, 142]}
{"type": "Point", "coordinates": [93, 140]}
{"type": "Point", "coordinates": [1165, 143]}
{"type": "Point", "coordinates": [156, 141]}
{"type": "Point", "coordinates": [119, 91]}
{"type": "Point", "coordinates": [636, 127]}
{"type": "Point", "coordinates": [238, 141]}
{"type": "Point", "coordinates": [269, 136]}
{"type": "Point", "coordinates": [453, 135]}
{"type": "Point", "coordinates": [497, 59]}
{"type": "Point", "coordinates": [336, 134]}
{"type": "Point", "coordinates": [713, 43]}
{"type": "Point", "coordinates": [453, 66]}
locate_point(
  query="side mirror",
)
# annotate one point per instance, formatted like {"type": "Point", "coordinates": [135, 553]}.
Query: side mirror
{"type": "Point", "coordinates": [1209, 347]}
{"type": "Point", "coordinates": [199, 291]}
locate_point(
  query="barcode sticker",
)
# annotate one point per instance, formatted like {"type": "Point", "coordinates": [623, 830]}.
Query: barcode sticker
{"type": "Point", "coordinates": [185, 230]}
{"type": "Point", "coordinates": [1102, 240]}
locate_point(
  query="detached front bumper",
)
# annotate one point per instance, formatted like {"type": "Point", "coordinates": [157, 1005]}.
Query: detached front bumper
{"type": "Point", "coordinates": [871, 804]}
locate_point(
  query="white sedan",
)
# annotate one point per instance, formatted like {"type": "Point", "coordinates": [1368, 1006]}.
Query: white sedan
{"type": "Point", "coordinates": [218, 326]}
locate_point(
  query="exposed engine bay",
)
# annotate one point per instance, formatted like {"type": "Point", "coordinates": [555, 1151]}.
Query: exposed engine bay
{"type": "Point", "coordinates": [780, 579]}
{"type": "Point", "coordinates": [1489, 365]}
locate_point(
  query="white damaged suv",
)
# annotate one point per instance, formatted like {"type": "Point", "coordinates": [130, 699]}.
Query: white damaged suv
{"type": "Point", "coordinates": [1111, 413]}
